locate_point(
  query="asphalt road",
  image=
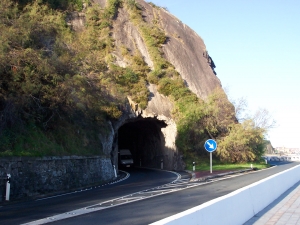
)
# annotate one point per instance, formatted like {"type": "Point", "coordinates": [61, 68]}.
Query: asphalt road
{"type": "Point", "coordinates": [139, 212]}
{"type": "Point", "coordinates": [139, 179]}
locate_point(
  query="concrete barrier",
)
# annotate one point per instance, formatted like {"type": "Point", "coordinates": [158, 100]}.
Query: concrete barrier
{"type": "Point", "coordinates": [239, 206]}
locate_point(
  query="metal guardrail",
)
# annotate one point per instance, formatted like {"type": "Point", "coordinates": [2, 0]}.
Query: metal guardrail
{"type": "Point", "coordinates": [283, 158]}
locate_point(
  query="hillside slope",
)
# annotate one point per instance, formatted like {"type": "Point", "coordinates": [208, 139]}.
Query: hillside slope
{"type": "Point", "coordinates": [86, 79]}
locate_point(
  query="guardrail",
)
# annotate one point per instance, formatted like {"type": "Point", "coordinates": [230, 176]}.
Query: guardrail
{"type": "Point", "coordinates": [283, 158]}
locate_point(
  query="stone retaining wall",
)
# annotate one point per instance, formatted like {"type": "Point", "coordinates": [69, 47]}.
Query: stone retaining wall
{"type": "Point", "coordinates": [38, 176]}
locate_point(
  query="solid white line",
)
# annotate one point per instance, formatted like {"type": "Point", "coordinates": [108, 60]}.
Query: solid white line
{"type": "Point", "coordinates": [175, 185]}
{"type": "Point", "coordinates": [90, 209]}
{"type": "Point", "coordinates": [55, 196]}
{"type": "Point", "coordinates": [74, 192]}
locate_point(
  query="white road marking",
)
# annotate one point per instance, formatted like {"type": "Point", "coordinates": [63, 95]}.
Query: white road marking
{"type": "Point", "coordinates": [108, 204]}
{"type": "Point", "coordinates": [74, 192]}
{"type": "Point", "coordinates": [134, 197]}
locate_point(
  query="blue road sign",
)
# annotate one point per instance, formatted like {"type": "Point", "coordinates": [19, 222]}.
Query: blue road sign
{"type": "Point", "coordinates": [210, 145]}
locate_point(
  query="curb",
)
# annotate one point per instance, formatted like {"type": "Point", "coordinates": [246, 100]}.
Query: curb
{"type": "Point", "coordinates": [205, 178]}
{"type": "Point", "coordinates": [121, 176]}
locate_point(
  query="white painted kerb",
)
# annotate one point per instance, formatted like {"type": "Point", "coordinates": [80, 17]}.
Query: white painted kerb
{"type": "Point", "coordinates": [239, 206]}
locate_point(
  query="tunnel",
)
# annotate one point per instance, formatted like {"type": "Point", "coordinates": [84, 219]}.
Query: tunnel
{"type": "Point", "coordinates": [144, 138]}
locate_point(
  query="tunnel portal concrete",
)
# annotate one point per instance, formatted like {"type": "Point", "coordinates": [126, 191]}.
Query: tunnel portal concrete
{"type": "Point", "coordinates": [144, 138]}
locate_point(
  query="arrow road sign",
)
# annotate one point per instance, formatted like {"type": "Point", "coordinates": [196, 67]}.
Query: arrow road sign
{"type": "Point", "coordinates": [210, 145]}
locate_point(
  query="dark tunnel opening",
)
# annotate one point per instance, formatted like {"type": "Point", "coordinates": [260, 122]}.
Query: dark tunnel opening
{"type": "Point", "coordinates": [143, 137]}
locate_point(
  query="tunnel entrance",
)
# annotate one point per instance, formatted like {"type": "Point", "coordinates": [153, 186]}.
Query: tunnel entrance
{"type": "Point", "coordinates": [143, 137]}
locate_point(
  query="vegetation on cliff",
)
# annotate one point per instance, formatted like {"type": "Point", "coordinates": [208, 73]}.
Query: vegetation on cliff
{"type": "Point", "coordinates": [52, 91]}
{"type": "Point", "coordinates": [58, 87]}
{"type": "Point", "coordinates": [197, 119]}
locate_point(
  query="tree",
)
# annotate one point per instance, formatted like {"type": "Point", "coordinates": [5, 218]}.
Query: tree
{"type": "Point", "coordinates": [240, 106]}
{"type": "Point", "coordinates": [220, 114]}
{"type": "Point", "coordinates": [243, 142]}
{"type": "Point", "coordinates": [263, 119]}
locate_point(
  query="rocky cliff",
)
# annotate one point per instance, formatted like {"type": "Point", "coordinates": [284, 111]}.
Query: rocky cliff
{"type": "Point", "coordinates": [122, 74]}
{"type": "Point", "coordinates": [185, 50]}
{"type": "Point", "coordinates": [90, 79]}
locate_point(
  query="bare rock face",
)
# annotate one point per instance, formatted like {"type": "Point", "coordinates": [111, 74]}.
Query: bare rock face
{"type": "Point", "coordinates": [159, 105]}
{"type": "Point", "coordinates": [186, 51]}
{"type": "Point", "coordinates": [127, 35]}
{"type": "Point", "coordinates": [102, 3]}
{"type": "Point", "coordinates": [76, 21]}
{"type": "Point", "coordinates": [107, 140]}
{"type": "Point", "coordinates": [192, 64]}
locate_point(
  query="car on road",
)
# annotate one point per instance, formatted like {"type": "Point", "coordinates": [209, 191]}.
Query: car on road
{"type": "Point", "coordinates": [125, 158]}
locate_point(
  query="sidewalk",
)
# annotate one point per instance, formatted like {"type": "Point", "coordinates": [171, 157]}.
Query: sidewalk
{"type": "Point", "coordinates": [285, 210]}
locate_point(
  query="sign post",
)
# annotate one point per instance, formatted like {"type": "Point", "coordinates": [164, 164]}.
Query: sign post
{"type": "Point", "coordinates": [210, 145]}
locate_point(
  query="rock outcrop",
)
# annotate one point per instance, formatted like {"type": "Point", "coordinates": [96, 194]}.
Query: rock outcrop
{"type": "Point", "coordinates": [185, 50]}
{"type": "Point", "coordinates": [150, 133]}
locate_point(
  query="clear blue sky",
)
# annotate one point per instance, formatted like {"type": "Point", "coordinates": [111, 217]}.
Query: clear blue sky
{"type": "Point", "coordinates": [256, 48]}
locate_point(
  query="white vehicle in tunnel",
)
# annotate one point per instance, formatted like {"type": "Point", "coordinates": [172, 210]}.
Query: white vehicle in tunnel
{"type": "Point", "coordinates": [125, 157]}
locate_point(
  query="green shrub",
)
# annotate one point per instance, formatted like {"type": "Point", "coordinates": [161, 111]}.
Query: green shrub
{"type": "Point", "coordinates": [51, 74]}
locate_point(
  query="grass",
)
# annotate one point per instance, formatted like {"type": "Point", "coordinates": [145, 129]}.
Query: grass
{"type": "Point", "coordinates": [203, 164]}
{"type": "Point", "coordinates": [226, 167]}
